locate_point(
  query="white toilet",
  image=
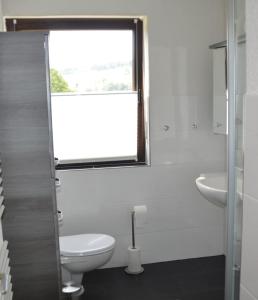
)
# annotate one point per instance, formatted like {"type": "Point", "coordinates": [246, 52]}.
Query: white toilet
{"type": "Point", "coordinates": [83, 253]}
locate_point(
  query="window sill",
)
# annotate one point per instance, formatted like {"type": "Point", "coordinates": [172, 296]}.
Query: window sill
{"type": "Point", "coordinates": [101, 165]}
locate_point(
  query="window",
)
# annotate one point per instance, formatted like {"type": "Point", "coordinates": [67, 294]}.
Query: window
{"type": "Point", "coordinates": [97, 90]}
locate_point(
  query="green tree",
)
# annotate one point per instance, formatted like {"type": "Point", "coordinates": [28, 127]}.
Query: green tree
{"type": "Point", "coordinates": [58, 83]}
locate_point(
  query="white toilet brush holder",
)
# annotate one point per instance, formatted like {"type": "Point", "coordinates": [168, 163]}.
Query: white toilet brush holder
{"type": "Point", "coordinates": [134, 261]}
{"type": "Point", "coordinates": [134, 254]}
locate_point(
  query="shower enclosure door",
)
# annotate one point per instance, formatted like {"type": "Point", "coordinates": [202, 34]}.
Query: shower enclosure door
{"type": "Point", "coordinates": [236, 89]}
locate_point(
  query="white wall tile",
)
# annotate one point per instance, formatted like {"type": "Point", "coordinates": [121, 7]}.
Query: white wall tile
{"type": "Point", "coordinates": [249, 270]}
{"type": "Point", "coordinates": [245, 294]}
{"type": "Point", "coordinates": [251, 146]}
{"type": "Point", "coordinates": [177, 213]}
{"type": "Point", "coordinates": [249, 267]}
{"type": "Point", "coordinates": [171, 245]}
{"type": "Point", "coordinates": [252, 46]}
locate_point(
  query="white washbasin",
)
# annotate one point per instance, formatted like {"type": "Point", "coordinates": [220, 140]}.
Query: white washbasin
{"type": "Point", "coordinates": [214, 186]}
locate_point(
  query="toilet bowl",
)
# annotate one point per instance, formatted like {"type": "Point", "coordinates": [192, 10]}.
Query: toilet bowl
{"type": "Point", "coordinates": [83, 253]}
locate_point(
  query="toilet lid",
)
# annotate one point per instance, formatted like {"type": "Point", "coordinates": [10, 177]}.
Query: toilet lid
{"type": "Point", "coordinates": [85, 244]}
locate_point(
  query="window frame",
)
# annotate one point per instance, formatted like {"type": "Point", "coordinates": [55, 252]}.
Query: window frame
{"type": "Point", "coordinates": [106, 23]}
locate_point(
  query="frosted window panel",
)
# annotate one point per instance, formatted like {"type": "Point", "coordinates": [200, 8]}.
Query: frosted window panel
{"type": "Point", "coordinates": [95, 127]}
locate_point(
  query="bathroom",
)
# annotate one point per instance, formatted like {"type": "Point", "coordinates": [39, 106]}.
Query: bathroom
{"type": "Point", "coordinates": [188, 244]}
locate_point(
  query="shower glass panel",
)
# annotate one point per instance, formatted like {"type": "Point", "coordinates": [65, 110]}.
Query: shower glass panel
{"type": "Point", "coordinates": [237, 89]}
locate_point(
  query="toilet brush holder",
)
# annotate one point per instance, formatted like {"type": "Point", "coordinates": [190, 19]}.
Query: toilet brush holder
{"type": "Point", "coordinates": [134, 253]}
{"type": "Point", "coordinates": [134, 261]}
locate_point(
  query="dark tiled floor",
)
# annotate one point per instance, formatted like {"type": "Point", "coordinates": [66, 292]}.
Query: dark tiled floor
{"type": "Point", "coordinates": [191, 279]}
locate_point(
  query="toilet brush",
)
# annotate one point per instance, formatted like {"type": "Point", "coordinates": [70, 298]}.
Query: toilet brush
{"type": "Point", "coordinates": [134, 253]}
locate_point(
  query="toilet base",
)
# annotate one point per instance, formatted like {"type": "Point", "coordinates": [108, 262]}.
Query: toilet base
{"type": "Point", "coordinates": [71, 291]}
{"type": "Point", "coordinates": [75, 277]}
{"type": "Point", "coordinates": [76, 296]}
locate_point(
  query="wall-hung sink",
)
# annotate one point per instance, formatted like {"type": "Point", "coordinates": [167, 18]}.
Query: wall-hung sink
{"type": "Point", "coordinates": [213, 187]}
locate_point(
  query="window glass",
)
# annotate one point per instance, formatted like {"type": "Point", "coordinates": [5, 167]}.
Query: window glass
{"type": "Point", "coordinates": [89, 61]}
{"type": "Point", "coordinates": [94, 107]}
{"type": "Point", "coordinates": [98, 127]}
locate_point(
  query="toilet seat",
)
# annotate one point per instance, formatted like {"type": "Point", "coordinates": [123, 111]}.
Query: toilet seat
{"type": "Point", "coordinates": [85, 244]}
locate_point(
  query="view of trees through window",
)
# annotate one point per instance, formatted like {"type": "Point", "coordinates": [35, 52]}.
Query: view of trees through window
{"type": "Point", "coordinates": [58, 83]}
{"type": "Point", "coordinates": [91, 61]}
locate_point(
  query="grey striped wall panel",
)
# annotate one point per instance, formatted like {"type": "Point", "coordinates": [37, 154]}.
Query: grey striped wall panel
{"type": "Point", "coordinates": [30, 218]}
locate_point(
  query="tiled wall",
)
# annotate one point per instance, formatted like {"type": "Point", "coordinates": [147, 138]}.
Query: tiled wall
{"type": "Point", "coordinates": [181, 223]}
{"type": "Point", "coordinates": [249, 278]}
